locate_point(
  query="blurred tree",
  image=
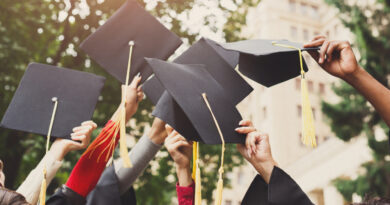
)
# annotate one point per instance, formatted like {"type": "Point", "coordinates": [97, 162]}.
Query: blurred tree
{"type": "Point", "coordinates": [370, 23]}
{"type": "Point", "coordinates": [49, 32]}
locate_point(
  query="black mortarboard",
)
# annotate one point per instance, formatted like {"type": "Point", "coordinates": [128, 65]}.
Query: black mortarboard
{"type": "Point", "coordinates": [220, 63]}
{"type": "Point", "coordinates": [172, 114]}
{"type": "Point", "coordinates": [268, 62]}
{"type": "Point", "coordinates": [109, 45]}
{"type": "Point", "coordinates": [186, 83]}
{"type": "Point", "coordinates": [31, 107]}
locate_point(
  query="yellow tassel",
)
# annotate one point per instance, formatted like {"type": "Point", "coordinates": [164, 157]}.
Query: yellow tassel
{"type": "Point", "coordinates": [218, 197]}
{"type": "Point", "coordinates": [308, 129]}
{"type": "Point", "coordinates": [42, 194]}
{"type": "Point", "coordinates": [309, 134]}
{"type": "Point", "coordinates": [198, 180]}
{"type": "Point", "coordinates": [194, 158]}
{"type": "Point", "coordinates": [123, 151]}
{"type": "Point", "coordinates": [198, 187]}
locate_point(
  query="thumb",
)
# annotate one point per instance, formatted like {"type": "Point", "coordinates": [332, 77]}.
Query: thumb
{"type": "Point", "coordinates": [169, 129]}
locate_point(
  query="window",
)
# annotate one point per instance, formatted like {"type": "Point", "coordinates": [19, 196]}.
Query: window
{"type": "Point", "coordinates": [322, 88]}
{"type": "Point", "coordinates": [304, 8]}
{"type": "Point", "coordinates": [336, 28]}
{"type": "Point", "coordinates": [314, 12]}
{"type": "Point", "coordinates": [299, 110]}
{"type": "Point", "coordinates": [293, 32]}
{"type": "Point", "coordinates": [292, 5]}
{"type": "Point", "coordinates": [310, 86]}
{"type": "Point", "coordinates": [306, 35]}
{"type": "Point", "coordinates": [298, 83]}
{"type": "Point", "coordinates": [264, 112]}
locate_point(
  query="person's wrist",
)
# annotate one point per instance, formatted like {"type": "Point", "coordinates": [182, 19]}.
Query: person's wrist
{"type": "Point", "coordinates": [354, 77]}
{"type": "Point", "coordinates": [265, 168]}
{"type": "Point", "coordinates": [183, 174]}
{"type": "Point", "coordinates": [59, 150]}
{"type": "Point", "coordinates": [158, 132]}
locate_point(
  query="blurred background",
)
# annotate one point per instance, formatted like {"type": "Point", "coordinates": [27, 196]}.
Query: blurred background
{"type": "Point", "coordinates": [352, 159]}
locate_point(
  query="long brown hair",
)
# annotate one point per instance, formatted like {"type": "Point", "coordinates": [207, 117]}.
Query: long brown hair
{"type": "Point", "coordinates": [8, 197]}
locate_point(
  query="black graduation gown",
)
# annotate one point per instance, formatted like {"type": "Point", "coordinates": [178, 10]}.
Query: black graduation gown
{"type": "Point", "coordinates": [281, 190]}
{"type": "Point", "coordinates": [105, 192]}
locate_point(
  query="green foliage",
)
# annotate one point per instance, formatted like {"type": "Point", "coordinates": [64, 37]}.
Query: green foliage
{"type": "Point", "coordinates": [50, 32]}
{"type": "Point", "coordinates": [353, 116]}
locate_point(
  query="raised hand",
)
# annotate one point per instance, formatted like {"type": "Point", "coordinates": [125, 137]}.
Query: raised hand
{"type": "Point", "coordinates": [81, 136]}
{"type": "Point", "coordinates": [134, 96]}
{"type": "Point", "coordinates": [256, 149]}
{"type": "Point", "coordinates": [335, 57]}
{"type": "Point", "coordinates": [181, 151]}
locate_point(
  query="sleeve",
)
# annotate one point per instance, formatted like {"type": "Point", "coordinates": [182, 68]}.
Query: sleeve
{"type": "Point", "coordinates": [281, 190]}
{"type": "Point", "coordinates": [65, 196]}
{"type": "Point", "coordinates": [185, 195]}
{"type": "Point", "coordinates": [141, 154]}
{"type": "Point", "coordinates": [257, 193]}
{"type": "Point", "coordinates": [91, 165]}
{"type": "Point", "coordinates": [31, 186]}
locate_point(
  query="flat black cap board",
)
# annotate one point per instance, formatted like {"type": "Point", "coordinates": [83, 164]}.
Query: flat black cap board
{"type": "Point", "coordinates": [268, 62]}
{"type": "Point", "coordinates": [231, 57]}
{"type": "Point", "coordinates": [219, 63]}
{"type": "Point", "coordinates": [186, 83]}
{"type": "Point", "coordinates": [31, 107]}
{"type": "Point", "coordinates": [153, 89]}
{"type": "Point", "coordinates": [109, 45]}
{"type": "Point", "coordinates": [172, 114]}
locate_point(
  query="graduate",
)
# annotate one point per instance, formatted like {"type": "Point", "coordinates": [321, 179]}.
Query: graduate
{"type": "Point", "coordinates": [271, 186]}
{"type": "Point", "coordinates": [86, 173]}
{"type": "Point", "coordinates": [28, 191]}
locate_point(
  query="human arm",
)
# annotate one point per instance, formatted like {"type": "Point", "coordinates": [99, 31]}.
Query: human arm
{"type": "Point", "coordinates": [140, 155]}
{"type": "Point", "coordinates": [256, 149]}
{"type": "Point", "coordinates": [181, 151]}
{"type": "Point", "coordinates": [92, 163]}
{"type": "Point", "coordinates": [337, 58]}
{"type": "Point", "coordinates": [272, 185]}
{"type": "Point", "coordinates": [30, 188]}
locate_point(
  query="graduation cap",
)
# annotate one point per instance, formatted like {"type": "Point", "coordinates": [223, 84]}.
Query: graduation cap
{"type": "Point", "coordinates": [220, 63]}
{"type": "Point", "coordinates": [271, 62]}
{"type": "Point", "coordinates": [171, 113]}
{"type": "Point", "coordinates": [42, 86]}
{"type": "Point", "coordinates": [266, 62]}
{"type": "Point", "coordinates": [130, 28]}
{"type": "Point", "coordinates": [186, 83]}
{"type": "Point", "coordinates": [204, 102]}
{"type": "Point", "coordinates": [51, 101]}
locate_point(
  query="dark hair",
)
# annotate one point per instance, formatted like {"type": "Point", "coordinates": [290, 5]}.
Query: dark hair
{"type": "Point", "coordinates": [8, 197]}
{"type": "Point", "coordinates": [374, 201]}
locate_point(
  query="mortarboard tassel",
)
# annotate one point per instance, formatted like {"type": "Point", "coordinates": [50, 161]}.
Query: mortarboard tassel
{"type": "Point", "coordinates": [198, 181]}
{"type": "Point", "coordinates": [218, 198]}
{"type": "Point", "coordinates": [119, 126]}
{"type": "Point", "coordinates": [42, 194]}
{"type": "Point", "coordinates": [308, 129]}
{"type": "Point", "coordinates": [123, 151]}
{"type": "Point", "coordinates": [194, 158]}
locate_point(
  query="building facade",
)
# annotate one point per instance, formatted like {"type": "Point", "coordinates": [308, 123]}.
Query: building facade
{"type": "Point", "coordinates": [277, 110]}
